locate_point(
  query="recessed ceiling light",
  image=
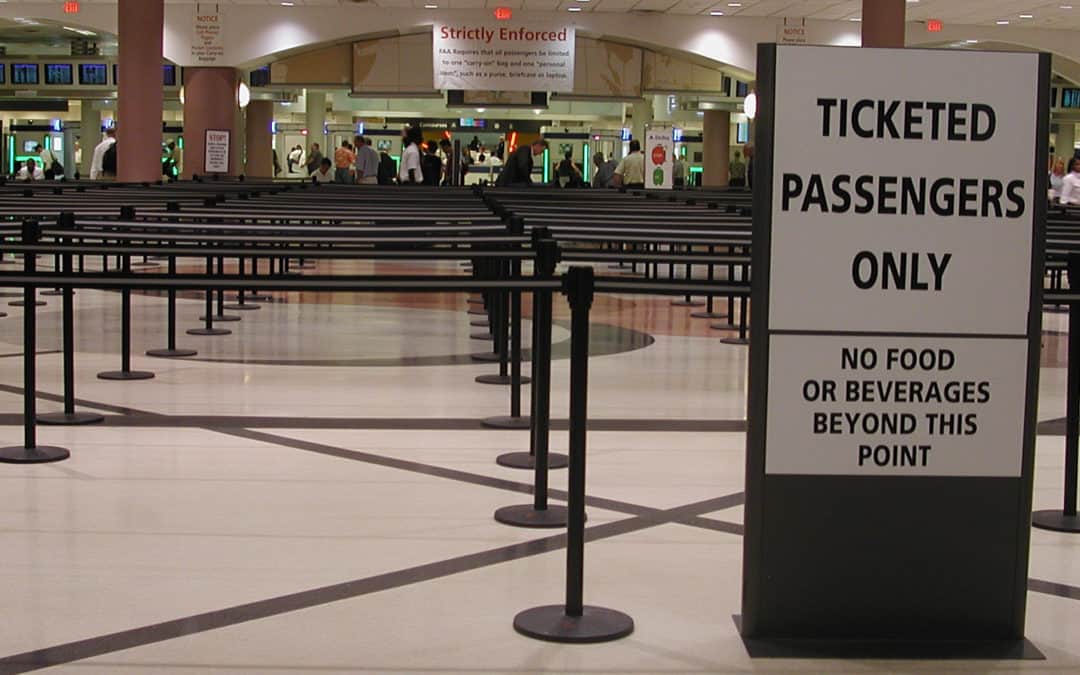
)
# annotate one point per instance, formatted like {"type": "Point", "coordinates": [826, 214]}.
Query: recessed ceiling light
{"type": "Point", "coordinates": [1065, 7]}
{"type": "Point", "coordinates": [573, 9]}
{"type": "Point", "coordinates": [287, 4]}
{"type": "Point", "coordinates": [716, 13]}
{"type": "Point", "coordinates": [912, 2]}
{"type": "Point", "coordinates": [430, 6]}
{"type": "Point", "coordinates": [734, 4]}
{"type": "Point", "coordinates": [855, 18]}
{"type": "Point", "coordinates": [1002, 22]}
{"type": "Point", "coordinates": [972, 42]}
{"type": "Point", "coordinates": [1027, 16]}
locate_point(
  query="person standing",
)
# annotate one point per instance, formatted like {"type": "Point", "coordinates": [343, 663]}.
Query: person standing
{"type": "Point", "coordinates": [294, 158]}
{"type": "Point", "coordinates": [367, 162]}
{"type": "Point", "coordinates": [97, 160]}
{"type": "Point", "coordinates": [315, 158]}
{"type": "Point", "coordinates": [411, 171]}
{"type": "Point", "coordinates": [630, 172]}
{"type": "Point", "coordinates": [49, 163]}
{"type": "Point", "coordinates": [343, 161]}
{"type": "Point", "coordinates": [737, 171]}
{"type": "Point", "coordinates": [678, 172]}
{"type": "Point", "coordinates": [518, 169]}
{"type": "Point", "coordinates": [605, 171]}
{"type": "Point", "coordinates": [1070, 189]}
{"type": "Point", "coordinates": [431, 164]}
{"type": "Point", "coordinates": [323, 174]}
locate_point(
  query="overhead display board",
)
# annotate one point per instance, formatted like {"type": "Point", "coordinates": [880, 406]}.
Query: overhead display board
{"type": "Point", "coordinates": [503, 56]}
{"type": "Point", "coordinates": [895, 339]}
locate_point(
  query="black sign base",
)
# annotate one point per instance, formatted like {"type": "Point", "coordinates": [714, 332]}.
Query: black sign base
{"type": "Point", "coordinates": [1055, 520]}
{"type": "Point", "coordinates": [70, 419]}
{"type": "Point", "coordinates": [506, 422]}
{"type": "Point", "coordinates": [37, 455]}
{"type": "Point", "coordinates": [527, 515]}
{"type": "Point", "coordinates": [208, 331]}
{"type": "Point", "coordinates": [500, 379]}
{"type": "Point", "coordinates": [170, 353]}
{"type": "Point", "coordinates": [551, 623]}
{"type": "Point", "coordinates": [124, 375]}
{"type": "Point", "coordinates": [523, 460]}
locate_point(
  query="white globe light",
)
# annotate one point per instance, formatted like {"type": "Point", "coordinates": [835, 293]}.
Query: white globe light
{"type": "Point", "coordinates": [181, 95]}
{"type": "Point", "coordinates": [243, 95]}
{"type": "Point", "coordinates": [750, 105]}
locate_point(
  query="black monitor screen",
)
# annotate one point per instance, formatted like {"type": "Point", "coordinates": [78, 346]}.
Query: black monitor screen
{"type": "Point", "coordinates": [169, 75]}
{"type": "Point", "coordinates": [3, 73]}
{"type": "Point", "coordinates": [1070, 98]}
{"type": "Point", "coordinates": [24, 73]}
{"type": "Point", "coordinates": [741, 89]}
{"type": "Point", "coordinates": [93, 73]}
{"type": "Point", "coordinates": [115, 74]}
{"type": "Point", "coordinates": [58, 73]}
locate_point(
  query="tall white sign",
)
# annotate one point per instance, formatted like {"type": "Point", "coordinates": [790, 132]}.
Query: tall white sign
{"type": "Point", "coordinates": [900, 269]}
{"type": "Point", "coordinates": [503, 56]}
{"type": "Point", "coordinates": [217, 151]}
{"type": "Point", "coordinates": [208, 35]}
{"type": "Point", "coordinates": [659, 157]}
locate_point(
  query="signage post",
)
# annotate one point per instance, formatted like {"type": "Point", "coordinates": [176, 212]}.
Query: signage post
{"type": "Point", "coordinates": [217, 151]}
{"type": "Point", "coordinates": [659, 157]}
{"type": "Point", "coordinates": [898, 236]}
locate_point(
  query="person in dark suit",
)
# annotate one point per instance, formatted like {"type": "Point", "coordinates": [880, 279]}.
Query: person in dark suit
{"type": "Point", "coordinates": [518, 169]}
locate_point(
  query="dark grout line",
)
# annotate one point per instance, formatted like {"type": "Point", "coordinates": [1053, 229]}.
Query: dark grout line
{"type": "Point", "coordinates": [262, 609]}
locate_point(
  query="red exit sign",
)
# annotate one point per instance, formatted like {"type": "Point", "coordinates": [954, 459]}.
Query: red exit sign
{"type": "Point", "coordinates": [71, 7]}
{"type": "Point", "coordinates": [934, 25]}
{"type": "Point", "coordinates": [503, 13]}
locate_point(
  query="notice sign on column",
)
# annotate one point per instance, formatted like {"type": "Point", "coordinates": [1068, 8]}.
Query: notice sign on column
{"type": "Point", "coordinates": [503, 57]}
{"type": "Point", "coordinates": [217, 151]}
{"type": "Point", "coordinates": [902, 207]}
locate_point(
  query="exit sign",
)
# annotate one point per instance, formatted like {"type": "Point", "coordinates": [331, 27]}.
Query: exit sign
{"type": "Point", "coordinates": [934, 25]}
{"type": "Point", "coordinates": [71, 7]}
{"type": "Point", "coordinates": [503, 13]}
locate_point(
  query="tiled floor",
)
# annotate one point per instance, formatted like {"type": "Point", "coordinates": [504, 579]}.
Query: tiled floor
{"type": "Point", "coordinates": [314, 494]}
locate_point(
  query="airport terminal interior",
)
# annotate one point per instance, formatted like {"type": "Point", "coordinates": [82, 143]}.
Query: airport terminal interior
{"type": "Point", "coordinates": [272, 408]}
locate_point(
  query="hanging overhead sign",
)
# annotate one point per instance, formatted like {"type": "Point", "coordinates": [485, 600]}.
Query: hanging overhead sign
{"type": "Point", "coordinates": [207, 40]}
{"type": "Point", "coordinates": [502, 56]}
{"type": "Point", "coordinates": [895, 341]}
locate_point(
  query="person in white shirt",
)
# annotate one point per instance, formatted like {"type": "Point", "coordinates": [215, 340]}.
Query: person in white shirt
{"type": "Point", "coordinates": [1057, 179]}
{"type": "Point", "coordinates": [325, 172]}
{"type": "Point", "coordinates": [47, 159]}
{"type": "Point", "coordinates": [410, 172]}
{"type": "Point", "coordinates": [96, 171]}
{"type": "Point", "coordinates": [1070, 188]}
{"type": "Point", "coordinates": [631, 170]}
{"type": "Point", "coordinates": [30, 171]}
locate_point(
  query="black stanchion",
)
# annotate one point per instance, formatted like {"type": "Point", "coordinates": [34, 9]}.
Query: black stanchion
{"type": "Point", "coordinates": [515, 419]}
{"type": "Point", "coordinates": [221, 316]}
{"type": "Point", "coordinates": [710, 312]}
{"type": "Point", "coordinates": [505, 331]}
{"type": "Point", "coordinates": [574, 621]}
{"type": "Point", "coordinates": [125, 373]}
{"type": "Point", "coordinates": [488, 270]}
{"type": "Point", "coordinates": [30, 452]}
{"type": "Point", "coordinates": [171, 350]}
{"type": "Point", "coordinates": [1067, 520]}
{"type": "Point", "coordinates": [539, 513]}
{"type": "Point", "coordinates": [241, 297]}
{"type": "Point", "coordinates": [69, 417]}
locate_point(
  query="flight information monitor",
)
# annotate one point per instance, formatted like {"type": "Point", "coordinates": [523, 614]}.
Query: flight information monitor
{"type": "Point", "coordinates": [93, 74]}
{"type": "Point", "coordinates": [24, 73]}
{"type": "Point", "coordinates": [58, 73]}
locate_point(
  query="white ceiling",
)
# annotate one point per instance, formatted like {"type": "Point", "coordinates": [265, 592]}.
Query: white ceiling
{"type": "Point", "coordinates": [970, 12]}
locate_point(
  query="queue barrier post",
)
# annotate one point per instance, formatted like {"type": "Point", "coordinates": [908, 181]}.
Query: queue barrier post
{"type": "Point", "coordinates": [125, 373]}
{"type": "Point", "coordinates": [574, 621]}
{"type": "Point", "coordinates": [30, 452]}
{"type": "Point", "coordinates": [539, 513]}
{"type": "Point", "coordinates": [208, 316]}
{"type": "Point", "coordinates": [171, 350]}
{"type": "Point", "coordinates": [515, 420]}
{"type": "Point", "coordinates": [1066, 519]}
{"type": "Point", "coordinates": [69, 417]}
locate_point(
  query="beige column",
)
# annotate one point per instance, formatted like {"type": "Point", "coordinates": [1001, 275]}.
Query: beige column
{"type": "Point", "coordinates": [716, 139]}
{"type": "Point", "coordinates": [209, 103]}
{"type": "Point", "coordinates": [883, 23]}
{"type": "Point", "coordinates": [1065, 140]}
{"type": "Point", "coordinates": [259, 140]}
{"type": "Point", "coordinates": [139, 93]}
{"type": "Point", "coordinates": [315, 121]}
{"type": "Point", "coordinates": [642, 114]}
{"type": "Point", "coordinates": [89, 135]}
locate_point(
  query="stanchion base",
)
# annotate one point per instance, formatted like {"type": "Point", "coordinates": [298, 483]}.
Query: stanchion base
{"type": "Point", "coordinates": [170, 353]}
{"type": "Point", "coordinates": [486, 357]}
{"type": "Point", "coordinates": [125, 375]}
{"type": "Point", "coordinates": [479, 323]}
{"type": "Point", "coordinates": [523, 460]}
{"type": "Point", "coordinates": [687, 303]}
{"type": "Point", "coordinates": [742, 342]}
{"type": "Point", "coordinates": [74, 419]}
{"type": "Point", "coordinates": [482, 336]}
{"type": "Point", "coordinates": [221, 317]}
{"type": "Point", "coordinates": [500, 379]}
{"type": "Point", "coordinates": [1056, 520]}
{"type": "Point", "coordinates": [526, 515]}
{"type": "Point", "coordinates": [36, 455]}
{"type": "Point", "coordinates": [724, 326]}
{"type": "Point", "coordinates": [208, 331]}
{"type": "Point", "coordinates": [551, 623]}
{"type": "Point", "coordinates": [3, 314]}
{"type": "Point", "coordinates": [243, 308]}
{"type": "Point", "coordinates": [51, 294]}
{"type": "Point", "coordinates": [477, 312]}
{"type": "Point", "coordinates": [20, 303]}
{"type": "Point", "coordinates": [506, 422]}
{"type": "Point", "coordinates": [708, 315]}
